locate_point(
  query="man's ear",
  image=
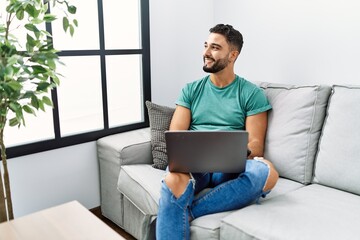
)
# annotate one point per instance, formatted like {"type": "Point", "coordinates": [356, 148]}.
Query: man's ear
{"type": "Point", "coordinates": [233, 55]}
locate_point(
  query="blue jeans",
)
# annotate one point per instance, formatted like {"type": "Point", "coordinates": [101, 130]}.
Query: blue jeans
{"type": "Point", "coordinates": [229, 191]}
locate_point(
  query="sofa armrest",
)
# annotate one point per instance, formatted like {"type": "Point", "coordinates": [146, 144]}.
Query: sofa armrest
{"type": "Point", "coordinates": [126, 148]}
{"type": "Point", "coordinates": [113, 151]}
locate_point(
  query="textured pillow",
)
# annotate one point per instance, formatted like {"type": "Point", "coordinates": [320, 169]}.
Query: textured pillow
{"type": "Point", "coordinates": [160, 118]}
{"type": "Point", "coordinates": [294, 127]}
{"type": "Point", "coordinates": [338, 162]}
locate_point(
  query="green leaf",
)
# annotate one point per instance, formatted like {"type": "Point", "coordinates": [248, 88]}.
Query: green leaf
{"type": "Point", "coordinates": [30, 40]}
{"type": "Point", "coordinates": [12, 60]}
{"type": "Point", "coordinates": [13, 122]}
{"type": "Point", "coordinates": [34, 102]}
{"type": "Point", "coordinates": [20, 116]}
{"type": "Point", "coordinates": [38, 69]}
{"type": "Point", "coordinates": [37, 34]}
{"type": "Point", "coordinates": [56, 80]}
{"type": "Point", "coordinates": [8, 90]}
{"type": "Point", "coordinates": [47, 101]}
{"type": "Point", "coordinates": [51, 55]}
{"type": "Point", "coordinates": [49, 17]}
{"type": "Point", "coordinates": [20, 14]}
{"type": "Point", "coordinates": [51, 63]}
{"type": "Point", "coordinates": [43, 86]}
{"type": "Point", "coordinates": [37, 21]}
{"type": "Point", "coordinates": [15, 85]}
{"type": "Point", "coordinates": [28, 109]}
{"type": "Point", "coordinates": [32, 11]}
{"type": "Point", "coordinates": [14, 106]}
{"type": "Point", "coordinates": [2, 29]}
{"type": "Point", "coordinates": [22, 79]}
{"type": "Point", "coordinates": [29, 47]}
{"type": "Point", "coordinates": [27, 94]}
{"type": "Point", "coordinates": [75, 22]}
{"type": "Point", "coordinates": [41, 105]}
{"type": "Point", "coordinates": [3, 111]}
{"type": "Point", "coordinates": [72, 9]}
{"type": "Point", "coordinates": [71, 30]}
{"type": "Point", "coordinates": [31, 27]}
{"type": "Point", "coordinates": [65, 23]}
{"type": "Point", "coordinates": [8, 71]}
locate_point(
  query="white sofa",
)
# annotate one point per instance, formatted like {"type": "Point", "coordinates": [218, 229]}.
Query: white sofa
{"type": "Point", "coordinates": [313, 139]}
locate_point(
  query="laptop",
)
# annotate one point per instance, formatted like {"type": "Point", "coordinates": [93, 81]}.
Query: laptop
{"type": "Point", "coordinates": [206, 151]}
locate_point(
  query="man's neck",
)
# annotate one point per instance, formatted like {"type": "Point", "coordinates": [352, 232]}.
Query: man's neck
{"type": "Point", "coordinates": [222, 79]}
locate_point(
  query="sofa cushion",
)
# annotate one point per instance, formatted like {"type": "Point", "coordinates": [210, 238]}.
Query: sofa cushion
{"type": "Point", "coordinates": [141, 184]}
{"type": "Point", "coordinates": [311, 212]}
{"type": "Point", "coordinates": [160, 118]}
{"type": "Point", "coordinates": [294, 127]}
{"type": "Point", "coordinates": [282, 186]}
{"type": "Point", "coordinates": [208, 227]}
{"type": "Point", "coordinates": [338, 162]}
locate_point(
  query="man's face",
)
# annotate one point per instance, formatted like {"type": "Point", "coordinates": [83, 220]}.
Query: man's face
{"type": "Point", "coordinates": [216, 53]}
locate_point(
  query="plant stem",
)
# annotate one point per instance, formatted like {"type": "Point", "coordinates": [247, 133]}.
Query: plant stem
{"type": "Point", "coordinates": [3, 213]}
{"type": "Point", "coordinates": [8, 22]}
{"type": "Point", "coordinates": [6, 172]}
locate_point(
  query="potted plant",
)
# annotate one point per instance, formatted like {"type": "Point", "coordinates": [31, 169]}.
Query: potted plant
{"type": "Point", "coordinates": [27, 72]}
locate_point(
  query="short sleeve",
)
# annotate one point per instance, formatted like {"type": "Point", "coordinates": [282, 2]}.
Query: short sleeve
{"type": "Point", "coordinates": [257, 102]}
{"type": "Point", "coordinates": [184, 97]}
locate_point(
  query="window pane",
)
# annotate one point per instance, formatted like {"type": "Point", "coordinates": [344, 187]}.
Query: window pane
{"type": "Point", "coordinates": [122, 24]}
{"type": "Point", "coordinates": [86, 36]}
{"type": "Point", "coordinates": [79, 95]}
{"type": "Point", "coordinates": [38, 128]}
{"type": "Point", "coordinates": [124, 88]}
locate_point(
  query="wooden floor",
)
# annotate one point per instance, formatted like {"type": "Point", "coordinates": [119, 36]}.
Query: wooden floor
{"type": "Point", "coordinates": [97, 212]}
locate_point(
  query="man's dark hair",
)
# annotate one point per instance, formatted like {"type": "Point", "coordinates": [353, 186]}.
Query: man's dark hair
{"type": "Point", "coordinates": [233, 36]}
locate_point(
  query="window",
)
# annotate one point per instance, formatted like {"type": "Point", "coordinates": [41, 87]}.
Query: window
{"type": "Point", "coordinates": [106, 79]}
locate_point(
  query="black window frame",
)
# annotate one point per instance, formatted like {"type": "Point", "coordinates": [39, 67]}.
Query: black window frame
{"type": "Point", "coordinates": [58, 141]}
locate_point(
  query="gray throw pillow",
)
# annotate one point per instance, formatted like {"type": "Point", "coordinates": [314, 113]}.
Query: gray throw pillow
{"type": "Point", "coordinates": [160, 118]}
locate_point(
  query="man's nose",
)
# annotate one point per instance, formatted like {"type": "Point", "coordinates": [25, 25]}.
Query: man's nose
{"type": "Point", "coordinates": [206, 52]}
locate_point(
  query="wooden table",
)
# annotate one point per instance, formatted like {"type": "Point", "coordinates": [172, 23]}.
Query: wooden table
{"type": "Point", "coordinates": [68, 221]}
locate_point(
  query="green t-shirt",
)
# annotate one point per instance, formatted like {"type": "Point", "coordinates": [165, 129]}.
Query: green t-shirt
{"type": "Point", "coordinates": [214, 108]}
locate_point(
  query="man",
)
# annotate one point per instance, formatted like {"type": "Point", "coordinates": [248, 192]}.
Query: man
{"type": "Point", "coordinates": [220, 101]}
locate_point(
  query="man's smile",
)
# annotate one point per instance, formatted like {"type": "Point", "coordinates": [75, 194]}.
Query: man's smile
{"type": "Point", "coordinates": [208, 60]}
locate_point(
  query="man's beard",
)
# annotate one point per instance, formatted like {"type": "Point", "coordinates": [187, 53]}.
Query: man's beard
{"type": "Point", "coordinates": [217, 66]}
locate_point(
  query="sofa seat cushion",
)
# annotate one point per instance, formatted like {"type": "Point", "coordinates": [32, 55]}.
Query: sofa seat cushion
{"type": "Point", "coordinates": [282, 186]}
{"type": "Point", "coordinates": [208, 227]}
{"type": "Point", "coordinates": [141, 184]}
{"type": "Point", "coordinates": [311, 212]}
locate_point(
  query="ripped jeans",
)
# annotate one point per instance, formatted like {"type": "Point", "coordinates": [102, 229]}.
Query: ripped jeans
{"type": "Point", "coordinates": [229, 191]}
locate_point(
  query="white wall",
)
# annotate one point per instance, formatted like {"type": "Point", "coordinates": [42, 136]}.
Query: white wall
{"type": "Point", "coordinates": [298, 41]}
{"type": "Point", "coordinates": [178, 31]}
{"type": "Point", "coordinates": [46, 179]}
